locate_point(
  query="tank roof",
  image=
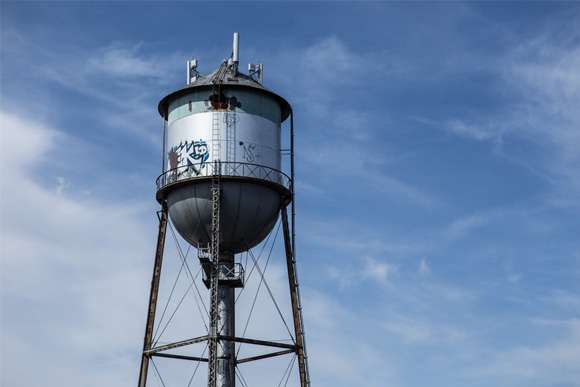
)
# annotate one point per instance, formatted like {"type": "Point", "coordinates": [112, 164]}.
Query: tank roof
{"type": "Point", "coordinates": [232, 78]}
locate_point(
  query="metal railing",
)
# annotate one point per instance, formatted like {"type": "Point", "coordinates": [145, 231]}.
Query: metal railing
{"type": "Point", "coordinates": [224, 169]}
{"type": "Point", "coordinates": [234, 273]}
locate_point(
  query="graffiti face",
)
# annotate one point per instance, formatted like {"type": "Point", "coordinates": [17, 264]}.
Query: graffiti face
{"type": "Point", "coordinates": [191, 154]}
{"type": "Point", "coordinates": [199, 150]}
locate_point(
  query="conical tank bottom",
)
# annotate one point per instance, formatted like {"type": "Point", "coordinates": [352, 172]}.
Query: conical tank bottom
{"type": "Point", "coordinates": [248, 212]}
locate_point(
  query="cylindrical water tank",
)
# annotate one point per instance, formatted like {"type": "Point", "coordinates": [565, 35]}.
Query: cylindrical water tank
{"type": "Point", "coordinates": [227, 127]}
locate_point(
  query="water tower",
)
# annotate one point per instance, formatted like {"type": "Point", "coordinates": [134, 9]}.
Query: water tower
{"type": "Point", "coordinates": [223, 190]}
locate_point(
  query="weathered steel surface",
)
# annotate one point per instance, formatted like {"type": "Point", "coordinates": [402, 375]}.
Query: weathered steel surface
{"type": "Point", "coordinates": [233, 80]}
{"type": "Point", "coordinates": [259, 342]}
{"type": "Point", "coordinates": [249, 359]}
{"type": "Point", "coordinates": [255, 173]}
{"type": "Point", "coordinates": [249, 212]}
{"type": "Point", "coordinates": [153, 295]}
{"type": "Point", "coordinates": [296, 312]}
{"type": "Point", "coordinates": [176, 345]}
{"type": "Point", "coordinates": [182, 357]}
{"type": "Point", "coordinates": [214, 287]}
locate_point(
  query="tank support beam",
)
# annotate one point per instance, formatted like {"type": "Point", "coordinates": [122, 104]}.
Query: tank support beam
{"type": "Point", "coordinates": [221, 363]}
{"type": "Point", "coordinates": [153, 296]}
{"type": "Point", "coordinates": [214, 282]}
{"type": "Point", "coordinates": [295, 299]}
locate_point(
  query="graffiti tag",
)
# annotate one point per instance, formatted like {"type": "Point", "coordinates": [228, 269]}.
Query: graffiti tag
{"type": "Point", "coordinates": [191, 154]}
{"type": "Point", "coordinates": [249, 150]}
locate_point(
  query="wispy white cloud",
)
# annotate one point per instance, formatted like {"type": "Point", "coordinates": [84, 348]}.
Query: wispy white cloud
{"type": "Point", "coordinates": [62, 185]}
{"type": "Point", "coordinates": [416, 331]}
{"type": "Point", "coordinates": [338, 354]}
{"type": "Point", "coordinates": [514, 278]}
{"type": "Point", "coordinates": [550, 87]}
{"type": "Point", "coordinates": [328, 65]}
{"type": "Point", "coordinates": [491, 129]}
{"type": "Point", "coordinates": [554, 362]}
{"type": "Point", "coordinates": [345, 277]}
{"type": "Point", "coordinates": [362, 241]}
{"type": "Point", "coordinates": [121, 60]}
{"type": "Point", "coordinates": [342, 131]}
{"type": "Point", "coordinates": [355, 160]}
{"type": "Point", "coordinates": [565, 299]}
{"type": "Point", "coordinates": [539, 78]}
{"type": "Point", "coordinates": [469, 130]}
{"type": "Point", "coordinates": [78, 264]}
{"type": "Point", "coordinates": [408, 329]}
{"type": "Point", "coordinates": [463, 226]}
{"type": "Point", "coordinates": [376, 270]}
{"type": "Point", "coordinates": [330, 58]}
{"type": "Point", "coordinates": [397, 190]}
{"type": "Point", "coordinates": [117, 83]}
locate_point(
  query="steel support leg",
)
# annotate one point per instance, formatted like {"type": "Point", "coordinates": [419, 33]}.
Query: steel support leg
{"type": "Point", "coordinates": [225, 375]}
{"type": "Point", "coordinates": [295, 299]}
{"type": "Point", "coordinates": [153, 296]}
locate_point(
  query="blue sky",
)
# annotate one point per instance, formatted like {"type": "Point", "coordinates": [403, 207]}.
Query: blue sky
{"type": "Point", "coordinates": [438, 183]}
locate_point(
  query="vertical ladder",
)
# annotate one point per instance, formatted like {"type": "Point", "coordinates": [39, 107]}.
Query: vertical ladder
{"type": "Point", "coordinates": [215, 228]}
{"type": "Point", "coordinates": [215, 137]}
{"type": "Point", "coordinates": [214, 280]}
{"type": "Point", "coordinates": [216, 124]}
{"type": "Point", "coordinates": [231, 119]}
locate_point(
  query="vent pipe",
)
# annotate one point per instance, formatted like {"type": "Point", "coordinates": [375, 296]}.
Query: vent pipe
{"type": "Point", "coordinates": [236, 54]}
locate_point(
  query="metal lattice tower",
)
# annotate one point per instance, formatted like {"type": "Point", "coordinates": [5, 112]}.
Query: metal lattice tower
{"type": "Point", "coordinates": [214, 280]}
